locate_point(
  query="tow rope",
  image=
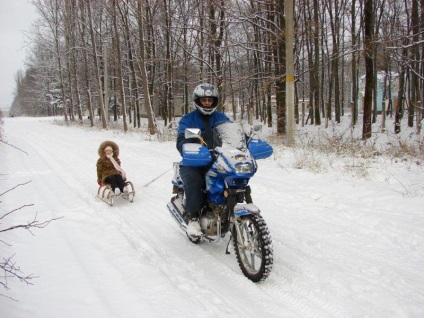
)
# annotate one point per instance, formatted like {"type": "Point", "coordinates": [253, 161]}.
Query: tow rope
{"type": "Point", "coordinates": [153, 180]}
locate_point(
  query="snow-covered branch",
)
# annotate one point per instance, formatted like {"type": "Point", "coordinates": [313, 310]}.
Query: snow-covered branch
{"type": "Point", "coordinates": [9, 268]}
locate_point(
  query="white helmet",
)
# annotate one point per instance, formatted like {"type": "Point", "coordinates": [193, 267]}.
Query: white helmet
{"type": "Point", "coordinates": [205, 90]}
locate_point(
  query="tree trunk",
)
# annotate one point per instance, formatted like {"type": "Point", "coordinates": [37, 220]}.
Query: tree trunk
{"type": "Point", "coordinates": [96, 68]}
{"type": "Point", "coordinates": [369, 69]}
{"type": "Point", "coordinates": [59, 61]}
{"type": "Point", "coordinates": [278, 52]}
{"type": "Point", "coordinates": [354, 88]}
{"type": "Point", "coordinates": [167, 103]}
{"type": "Point", "coordinates": [119, 67]}
{"type": "Point", "coordinates": [316, 84]}
{"type": "Point", "coordinates": [67, 30]}
{"type": "Point", "coordinates": [147, 104]}
{"type": "Point", "coordinates": [133, 74]}
{"type": "Point", "coordinates": [414, 108]}
{"type": "Point", "coordinates": [82, 26]}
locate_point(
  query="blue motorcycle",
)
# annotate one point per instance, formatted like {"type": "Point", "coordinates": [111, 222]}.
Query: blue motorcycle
{"type": "Point", "coordinates": [227, 205]}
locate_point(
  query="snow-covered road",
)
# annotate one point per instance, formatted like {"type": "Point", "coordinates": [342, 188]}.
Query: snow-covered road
{"type": "Point", "coordinates": [343, 247]}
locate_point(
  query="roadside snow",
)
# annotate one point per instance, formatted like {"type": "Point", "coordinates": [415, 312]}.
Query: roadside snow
{"type": "Point", "coordinates": [344, 246]}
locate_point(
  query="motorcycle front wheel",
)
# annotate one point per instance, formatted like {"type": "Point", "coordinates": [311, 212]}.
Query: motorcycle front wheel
{"type": "Point", "coordinates": [253, 246]}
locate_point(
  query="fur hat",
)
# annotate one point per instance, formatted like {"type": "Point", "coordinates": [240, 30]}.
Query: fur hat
{"type": "Point", "coordinates": [108, 143]}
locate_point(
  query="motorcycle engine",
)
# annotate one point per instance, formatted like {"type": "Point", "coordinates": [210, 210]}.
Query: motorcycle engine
{"type": "Point", "coordinates": [209, 218]}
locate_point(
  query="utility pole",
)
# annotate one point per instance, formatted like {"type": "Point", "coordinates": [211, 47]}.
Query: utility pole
{"type": "Point", "coordinates": [289, 8]}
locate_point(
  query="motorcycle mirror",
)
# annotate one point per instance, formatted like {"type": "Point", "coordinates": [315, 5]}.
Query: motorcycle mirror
{"type": "Point", "coordinates": [254, 130]}
{"type": "Point", "coordinates": [191, 133]}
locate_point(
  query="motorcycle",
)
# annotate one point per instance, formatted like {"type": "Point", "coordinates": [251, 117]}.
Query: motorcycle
{"type": "Point", "coordinates": [228, 205]}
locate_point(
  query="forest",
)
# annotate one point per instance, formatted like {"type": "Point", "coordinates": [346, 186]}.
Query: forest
{"type": "Point", "coordinates": [99, 61]}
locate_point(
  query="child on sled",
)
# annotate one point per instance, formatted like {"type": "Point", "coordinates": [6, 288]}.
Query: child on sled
{"type": "Point", "coordinates": [109, 169]}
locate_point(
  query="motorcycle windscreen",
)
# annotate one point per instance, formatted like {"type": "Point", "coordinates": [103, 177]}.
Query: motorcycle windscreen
{"type": "Point", "coordinates": [229, 135]}
{"type": "Point", "coordinates": [260, 149]}
{"type": "Point", "coordinates": [195, 155]}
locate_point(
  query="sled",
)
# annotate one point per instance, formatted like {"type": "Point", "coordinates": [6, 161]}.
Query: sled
{"type": "Point", "coordinates": [105, 193]}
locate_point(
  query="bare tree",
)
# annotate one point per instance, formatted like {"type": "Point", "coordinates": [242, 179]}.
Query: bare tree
{"type": "Point", "coordinates": [168, 46]}
{"type": "Point", "coordinates": [73, 78]}
{"type": "Point", "coordinates": [96, 66]}
{"type": "Point", "coordinates": [414, 108]}
{"type": "Point", "coordinates": [278, 52]}
{"type": "Point", "coordinates": [9, 268]}
{"type": "Point", "coordinates": [119, 67]}
{"type": "Point", "coordinates": [82, 31]}
{"type": "Point", "coordinates": [369, 68]}
{"type": "Point", "coordinates": [52, 12]}
{"type": "Point", "coordinates": [354, 64]}
{"type": "Point", "coordinates": [147, 103]}
{"type": "Point", "coordinates": [167, 113]}
{"type": "Point", "coordinates": [133, 76]}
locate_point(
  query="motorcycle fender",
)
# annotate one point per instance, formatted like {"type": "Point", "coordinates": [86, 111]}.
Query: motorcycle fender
{"type": "Point", "coordinates": [245, 209]}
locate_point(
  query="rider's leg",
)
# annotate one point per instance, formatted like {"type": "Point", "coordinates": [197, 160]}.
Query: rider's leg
{"type": "Point", "coordinates": [194, 183]}
{"type": "Point", "coordinates": [114, 181]}
{"type": "Point", "coordinates": [120, 182]}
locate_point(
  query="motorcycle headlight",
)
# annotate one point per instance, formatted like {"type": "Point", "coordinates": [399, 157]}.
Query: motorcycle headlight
{"type": "Point", "coordinates": [243, 168]}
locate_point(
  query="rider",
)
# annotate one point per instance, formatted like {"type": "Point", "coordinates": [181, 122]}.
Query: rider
{"type": "Point", "coordinates": [205, 117]}
{"type": "Point", "coordinates": [109, 169]}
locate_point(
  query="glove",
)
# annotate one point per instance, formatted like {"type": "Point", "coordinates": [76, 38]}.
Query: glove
{"type": "Point", "coordinates": [99, 182]}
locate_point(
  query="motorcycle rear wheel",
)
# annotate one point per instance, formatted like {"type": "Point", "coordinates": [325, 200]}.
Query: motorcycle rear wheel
{"type": "Point", "coordinates": [254, 252]}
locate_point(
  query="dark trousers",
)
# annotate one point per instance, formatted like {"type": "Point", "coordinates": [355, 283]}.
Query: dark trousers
{"type": "Point", "coordinates": [194, 184]}
{"type": "Point", "coordinates": [115, 181]}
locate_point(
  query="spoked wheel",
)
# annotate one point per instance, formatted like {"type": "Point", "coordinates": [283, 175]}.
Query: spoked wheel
{"type": "Point", "coordinates": [253, 246]}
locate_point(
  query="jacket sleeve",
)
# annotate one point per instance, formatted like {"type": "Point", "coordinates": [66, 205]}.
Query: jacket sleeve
{"type": "Point", "coordinates": [99, 169]}
{"type": "Point", "coordinates": [180, 142]}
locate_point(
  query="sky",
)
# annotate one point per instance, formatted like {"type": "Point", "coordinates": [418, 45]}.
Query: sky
{"type": "Point", "coordinates": [16, 17]}
{"type": "Point", "coordinates": [347, 233]}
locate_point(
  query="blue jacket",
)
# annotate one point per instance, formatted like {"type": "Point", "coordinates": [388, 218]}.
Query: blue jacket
{"type": "Point", "coordinates": [195, 119]}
